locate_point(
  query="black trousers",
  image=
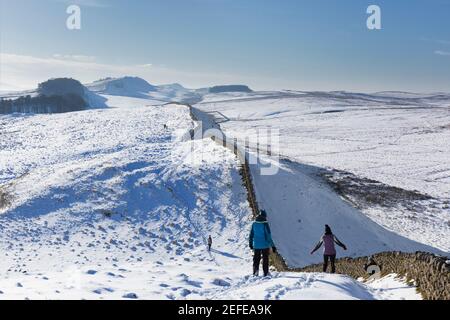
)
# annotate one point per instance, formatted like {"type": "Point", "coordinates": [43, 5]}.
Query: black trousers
{"type": "Point", "coordinates": [257, 259]}
{"type": "Point", "coordinates": [332, 258]}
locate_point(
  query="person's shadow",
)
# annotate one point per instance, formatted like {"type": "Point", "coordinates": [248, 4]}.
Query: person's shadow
{"type": "Point", "coordinates": [225, 254]}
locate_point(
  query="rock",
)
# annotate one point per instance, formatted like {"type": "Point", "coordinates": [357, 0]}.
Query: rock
{"type": "Point", "coordinates": [130, 296]}
{"type": "Point", "coordinates": [221, 283]}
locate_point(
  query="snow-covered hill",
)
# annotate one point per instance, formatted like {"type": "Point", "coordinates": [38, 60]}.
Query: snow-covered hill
{"type": "Point", "coordinates": [115, 204]}
{"type": "Point", "coordinates": [138, 88]}
{"type": "Point", "coordinates": [376, 150]}
{"type": "Point", "coordinates": [109, 92]}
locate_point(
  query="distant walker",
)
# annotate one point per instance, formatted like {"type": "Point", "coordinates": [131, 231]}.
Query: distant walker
{"type": "Point", "coordinates": [209, 243]}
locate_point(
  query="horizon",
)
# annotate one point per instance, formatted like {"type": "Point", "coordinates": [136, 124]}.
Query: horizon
{"type": "Point", "coordinates": [222, 84]}
{"type": "Point", "coordinates": [275, 45]}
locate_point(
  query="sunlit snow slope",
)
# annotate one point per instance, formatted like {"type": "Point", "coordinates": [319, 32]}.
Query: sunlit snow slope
{"type": "Point", "coordinates": [400, 140]}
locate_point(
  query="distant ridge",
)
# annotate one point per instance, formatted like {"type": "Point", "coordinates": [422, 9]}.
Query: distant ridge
{"type": "Point", "coordinates": [126, 86]}
{"type": "Point", "coordinates": [230, 88]}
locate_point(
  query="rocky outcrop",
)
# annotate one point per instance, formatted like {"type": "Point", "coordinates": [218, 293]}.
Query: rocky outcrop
{"type": "Point", "coordinates": [52, 96]}
{"type": "Point", "coordinates": [61, 87]}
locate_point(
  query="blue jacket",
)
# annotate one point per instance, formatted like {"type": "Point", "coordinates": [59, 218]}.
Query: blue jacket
{"type": "Point", "coordinates": [260, 236]}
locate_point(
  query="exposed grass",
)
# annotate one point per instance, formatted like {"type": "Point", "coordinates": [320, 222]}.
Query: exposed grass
{"type": "Point", "coordinates": [5, 199]}
{"type": "Point", "coordinates": [364, 193]}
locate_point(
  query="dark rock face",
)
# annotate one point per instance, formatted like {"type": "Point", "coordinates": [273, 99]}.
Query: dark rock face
{"type": "Point", "coordinates": [55, 96]}
{"type": "Point", "coordinates": [61, 87]}
{"type": "Point", "coordinates": [230, 88]}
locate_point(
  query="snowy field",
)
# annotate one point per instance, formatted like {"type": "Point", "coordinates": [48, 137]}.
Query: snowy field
{"type": "Point", "coordinates": [110, 204]}
{"type": "Point", "coordinates": [398, 139]}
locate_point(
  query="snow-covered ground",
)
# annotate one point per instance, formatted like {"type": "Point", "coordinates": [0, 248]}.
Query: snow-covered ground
{"type": "Point", "coordinates": [111, 204]}
{"type": "Point", "coordinates": [399, 139]}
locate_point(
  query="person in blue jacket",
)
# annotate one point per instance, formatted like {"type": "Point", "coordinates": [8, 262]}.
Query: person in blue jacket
{"type": "Point", "coordinates": [260, 242]}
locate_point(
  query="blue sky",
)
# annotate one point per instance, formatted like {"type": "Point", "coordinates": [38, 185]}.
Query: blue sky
{"type": "Point", "coordinates": [268, 44]}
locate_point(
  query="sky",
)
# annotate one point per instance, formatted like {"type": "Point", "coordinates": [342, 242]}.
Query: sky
{"type": "Point", "coordinates": [266, 44]}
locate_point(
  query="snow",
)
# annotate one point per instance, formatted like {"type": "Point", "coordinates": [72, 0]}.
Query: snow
{"type": "Point", "coordinates": [400, 140]}
{"type": "Point", "coordinates": [391, 287]}
{"type": "Point", "coordinates": [126, 92]}
{"type": "Point", "coordinates": [315, 286]}
{"type": "Point", "coordinates": [111, 204]}
{"type": "Point", "coordinates": [132, 87]}
{"type": "Point", "coordinates": [298, 207]}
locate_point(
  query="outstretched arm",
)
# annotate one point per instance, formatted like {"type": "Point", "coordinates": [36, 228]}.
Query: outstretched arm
{"type": "Point", "coordinates": [318, 245]}
{"type": "Point", "coordinates": [339, 243]}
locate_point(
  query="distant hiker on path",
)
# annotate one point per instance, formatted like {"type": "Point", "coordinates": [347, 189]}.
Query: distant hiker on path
{"type": "Point", "coordinates": [209, 243]}
{"type": "Point", "coordinates": [328, 240]}
{"type": "Point", "coordinates": [260, 242]}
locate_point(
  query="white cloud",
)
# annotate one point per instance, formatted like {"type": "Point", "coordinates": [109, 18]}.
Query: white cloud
{"type": "Point", "coordinates": [442, 53]}
{"type": "Point", "coordinates": [80, 58]}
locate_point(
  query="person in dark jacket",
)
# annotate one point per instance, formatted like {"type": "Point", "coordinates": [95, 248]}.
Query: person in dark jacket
{"type": "Point", "coordinates": [260, 241]}
{"type": "Point", "coordinates": [329, 254]}
{"type": "Point", "coordinates": [209, 243]}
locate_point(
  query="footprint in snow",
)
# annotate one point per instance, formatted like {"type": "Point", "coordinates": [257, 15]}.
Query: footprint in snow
{"type": "Point", "coordinates": [100, 290]}
{"type": "Point", "coordinates": [91, 272]}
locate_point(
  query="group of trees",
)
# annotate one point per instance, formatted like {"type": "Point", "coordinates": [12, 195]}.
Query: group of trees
{"type": "Point", "coordinates": [43, 104]}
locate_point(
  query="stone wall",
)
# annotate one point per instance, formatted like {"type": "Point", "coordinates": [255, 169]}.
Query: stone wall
{"type": "Point", "coordinates": [428, 272]}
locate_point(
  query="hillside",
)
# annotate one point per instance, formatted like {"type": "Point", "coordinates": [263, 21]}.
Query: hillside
{"type": "Point", "coordinates": [118, 207]}
{"type": "Point", "coordinates": [142, 92]}
{"type": "Point", "coordinates": [383, 155]}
